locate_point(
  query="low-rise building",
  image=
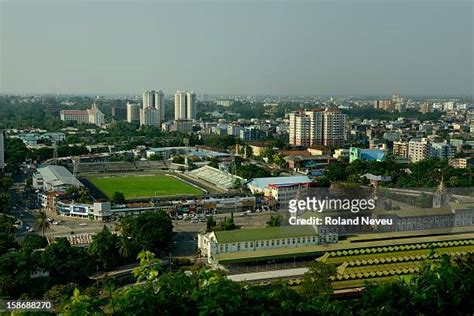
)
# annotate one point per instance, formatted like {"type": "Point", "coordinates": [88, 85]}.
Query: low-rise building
{"type": "Point", "coordinates": [278, 191]}
{"type": "Point", "coordinates": [96, 210]}
{"type": "Point", "coordinates": [183, 126]}
{"type": "Point", "coordinates": [366, 154]}
{"type": "Point", "coordinates": [309, 164]}
{"type": "Point", "coordinates": [341, 153]}
{"type": "Point", "coordinates": [133, 112]}
{"type": "Point", "coordinates": [462, 163]}
{"type": "Point", "coordinates": [257, 239]}
{"type": "Point", "coordinates": [90, 116]}
{"type": "Point", "coordinates": [54, 178]}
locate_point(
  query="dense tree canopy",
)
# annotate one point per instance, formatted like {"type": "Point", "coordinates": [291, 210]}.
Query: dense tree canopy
{"type": "Point", "coordinates": [151, 231]}
{"type": "Point", "coordinates": [104, 249]}
{"type": "Point", "coordinates": [444, 287]}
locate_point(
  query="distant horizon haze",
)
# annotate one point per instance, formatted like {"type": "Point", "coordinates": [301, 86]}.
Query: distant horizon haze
{"type": "Point", "coordinates": [282, 48]}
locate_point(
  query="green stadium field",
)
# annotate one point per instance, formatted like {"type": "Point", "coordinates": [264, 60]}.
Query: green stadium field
{"type": "Point", "coordinates": [143, 186]}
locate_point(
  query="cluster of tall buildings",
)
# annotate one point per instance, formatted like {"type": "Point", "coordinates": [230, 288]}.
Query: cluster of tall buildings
{"type": "Point", "coordinates": [397, 103]}
{"type": "Point", "coordinates": [326, 127]}
{"type": "Point", "coordinates": [152, 110]}
{"type": "Point", "coordinates": [419, 149]}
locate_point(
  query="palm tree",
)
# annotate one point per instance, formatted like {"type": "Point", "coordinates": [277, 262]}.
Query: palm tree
{"type": "Point", "coordinates": [7, 224]}
{"type": "Point", "coordinates": [124, 247]}
{"type": "Point", "coordinates": [42, 222]}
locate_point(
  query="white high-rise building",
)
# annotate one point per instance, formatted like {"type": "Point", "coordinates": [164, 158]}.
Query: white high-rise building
{"type": "Point", "coordinates": [418, 149]}
{"type": "Point", "coordinates": [133, 112]}
{"type": "Point", "coordinates": [150, 116]}
{"type": "Point", "coordinates": [300, 124]}
{"type": "Point", "coordinates": [184, 105]}
{"type": "Point", "coordinates": [2, 151]}
{"type": "Point", "coordinates": [155, 99]}
{"type": "Point", "coordinates": [317, 128]}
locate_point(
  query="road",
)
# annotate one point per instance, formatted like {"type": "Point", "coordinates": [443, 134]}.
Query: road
{"type": "Point", "coordinates": [185, 241]}
{"type": "Point", "coordinates": [254, 276]}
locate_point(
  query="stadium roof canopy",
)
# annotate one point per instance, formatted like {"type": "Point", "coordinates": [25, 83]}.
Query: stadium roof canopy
{"type": "Point", "coordinates": [58, 175]}
{"type": "Point", "coordinates": [263, 183]}
{"type": "Point", "coordinates": [215, 176]}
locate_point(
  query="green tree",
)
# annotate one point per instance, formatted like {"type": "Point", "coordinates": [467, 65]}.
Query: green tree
{"type": "Point", "coordinates": [316, 281]}
{"type": "Point", "coordinates": [149, 267]}
{"type": "Point", "coordinates": [32, 242]}
{"type": "Point", "coordinates": [104, 249]}
{"type": "Point", "coordinates": [5, 202]}
{"type": "Point", "coordinates": [125, 247]}
{"type": "Point", "coordinates": [274, 221]}
{"type": "Point", "coordinates": [118, 198]}
{"type": "Point", "coordinates": [80, 305]}
{"type": "Point", "coordinates": [7, 232]}
{"type": "Point", "coordinates": [151, 231]}
{"type": "Point", "coordinates": [66, 263]}
{"type": "Point", "coordinates": [210, 223]}
{"type": "Point", "coordinates": [42, 222]}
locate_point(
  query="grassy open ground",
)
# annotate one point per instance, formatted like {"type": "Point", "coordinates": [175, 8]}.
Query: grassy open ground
{"type": "Point", "coordinates": [143, 186]}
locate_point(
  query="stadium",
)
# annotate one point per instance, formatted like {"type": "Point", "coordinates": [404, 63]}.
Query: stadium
{"type": "Point", "coordinates": [138, 186]}
{"type": "Point", "coordinates": [138, 182]}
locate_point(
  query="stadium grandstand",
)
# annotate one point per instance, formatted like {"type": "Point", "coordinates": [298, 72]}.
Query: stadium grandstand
{"type": "Point", "coordinates": [218, 178]}
{"type": "Point", "coordinates": [79, 240]}
{"type": "Point", "coordinates": [119, 166]}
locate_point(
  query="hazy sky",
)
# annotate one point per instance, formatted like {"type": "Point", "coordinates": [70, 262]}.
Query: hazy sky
{"type": "Point", "coordinates": [327, 47]}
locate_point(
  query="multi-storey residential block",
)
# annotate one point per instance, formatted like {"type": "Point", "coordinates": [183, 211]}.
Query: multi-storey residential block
{"type": "Point", "coordinates": [133, 112]}
{"type": "Point", "coordinates": [418, 149]}
{"type": "Point", "coordinates": [78, 116]}
{"type": "Point", "coordinates": [400, 149]}
{"type": "Point", "coordinates": [425, 108]}
{"type": "Point", "coordinates": [155, 99]}
{"type": "Point", "coordinates": [150, 116]}
{"type": "Point", "coordinates": [441, 150]}
{"type": "Point", "coordinates": [317, 128]}
{"type": "Point", "coordinates": [462, 163]}
{"type": "Point", "coordinates": [386, 105]}
{"type": "Point", "coordinates": [184, 105]}
{"type": "Point", "coordinates": [299, 131]}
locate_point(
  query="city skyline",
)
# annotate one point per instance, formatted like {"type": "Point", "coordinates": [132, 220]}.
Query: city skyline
{"type": "Point", "coordinates": [321, 48]}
